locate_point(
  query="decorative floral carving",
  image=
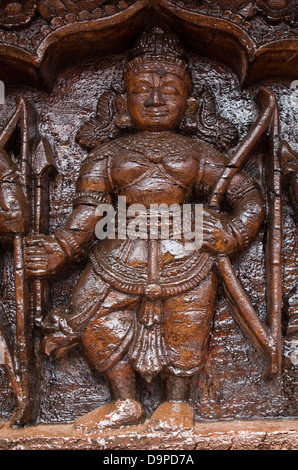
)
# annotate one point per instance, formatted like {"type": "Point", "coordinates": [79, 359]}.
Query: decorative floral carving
{"type": "Point", "coordinates": [273, 11]}
{"type": "Point", "coordinates": [51, 8]}
{"type": "Point", "coordinates": [276, 11]}
{"type": "Point", "coordinates": [17, 14]}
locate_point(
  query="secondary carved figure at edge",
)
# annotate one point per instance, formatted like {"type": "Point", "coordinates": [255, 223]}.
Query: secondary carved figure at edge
{"type": "Point", "coordinates": [146, 306]}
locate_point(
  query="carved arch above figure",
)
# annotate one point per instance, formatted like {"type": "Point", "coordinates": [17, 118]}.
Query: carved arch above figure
{"type": "Point", "coordinates": [61, 36]}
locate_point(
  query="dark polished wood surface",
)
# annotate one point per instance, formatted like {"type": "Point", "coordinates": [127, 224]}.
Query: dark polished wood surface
{"type": "Point", "coordinates": [160, 102]}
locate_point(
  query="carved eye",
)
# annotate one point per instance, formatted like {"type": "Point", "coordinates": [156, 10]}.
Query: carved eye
{"type": "Point", "coordinates": [141, 88]}
{"type": "Point", "coordinates": [170, 90]}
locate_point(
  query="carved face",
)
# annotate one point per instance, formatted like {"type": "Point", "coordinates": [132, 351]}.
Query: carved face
{"type": "Point", "coordinates": [157, 97]}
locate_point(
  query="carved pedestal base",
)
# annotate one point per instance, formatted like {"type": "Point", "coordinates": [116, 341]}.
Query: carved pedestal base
{"type": "Point", "coordinates": [237, 435]}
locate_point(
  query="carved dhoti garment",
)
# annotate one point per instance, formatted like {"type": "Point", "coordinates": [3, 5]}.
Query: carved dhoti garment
{"type": "Point", "coordinates": [168, 332]}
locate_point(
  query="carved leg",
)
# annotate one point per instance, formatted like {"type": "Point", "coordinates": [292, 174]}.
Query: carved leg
{"type": "Point", "coordinates": [174, 412]}
{"type": "Point", "coordinates": [176, 388]}
{"type": "Point", "coordinates": [123, 410]}
{"type": "Point", "coordinates": [187, 321]}
{"type": "Point", "coordinates": [106, 340]}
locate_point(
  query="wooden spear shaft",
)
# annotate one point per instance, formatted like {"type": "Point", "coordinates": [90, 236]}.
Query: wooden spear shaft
{"type": "Point", "coordinates": [273, 253]}
{"type": "Point", "coordinates": [23, 414]}
{"type": "Point", "coordinates": [23, 317]}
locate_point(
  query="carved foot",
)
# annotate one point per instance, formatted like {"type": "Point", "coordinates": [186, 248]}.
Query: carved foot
{"type": "Point", "coordinates": [172, 415]}
{"type": "Point", "coordinates": [113, 415]}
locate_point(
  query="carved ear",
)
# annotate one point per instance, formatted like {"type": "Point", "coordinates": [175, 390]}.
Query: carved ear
{"type": "Point", "coordinates": [122, 120]}
{"type": "Point", "coordinates": [201, 118]}
{"type": "Point", "coordinates": [191, 112]}
{"type": "Point", "coordinates": [192, 106]}
{"type": "Point", "coordinates": [189, 122]}
{"type": "Point", "coordinates": [102, 127]}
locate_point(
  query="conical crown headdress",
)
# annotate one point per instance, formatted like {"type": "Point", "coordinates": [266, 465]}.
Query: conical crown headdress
{"type": "Point", "coordinates": [157, 45]}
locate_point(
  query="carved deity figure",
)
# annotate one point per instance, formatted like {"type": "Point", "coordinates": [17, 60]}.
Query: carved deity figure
{"type": "Point", "coordinates": [144, 307]}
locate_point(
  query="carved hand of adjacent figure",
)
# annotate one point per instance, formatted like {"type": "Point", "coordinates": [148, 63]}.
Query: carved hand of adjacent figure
{"type": "Point", "coordinates": [217, 235]}
{"type": "Point", "coordinates": [59, 336]}
{"type": "Point", "coordinates": [43, 256]}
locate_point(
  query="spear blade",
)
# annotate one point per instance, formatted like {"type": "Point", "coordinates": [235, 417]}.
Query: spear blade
{"type": "Point", "coordinates": [44, 168]}
{"type": "Point", "coordinates": [43, 159]}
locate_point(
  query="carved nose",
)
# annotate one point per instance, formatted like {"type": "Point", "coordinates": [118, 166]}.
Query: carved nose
{"type": "Point", "coordinates": [155, 98]}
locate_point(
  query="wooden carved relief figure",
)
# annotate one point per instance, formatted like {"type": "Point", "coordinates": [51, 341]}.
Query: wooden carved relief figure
{"type": "Point", "coordinates": [169, 200]}
{"type": "Point", "coordinates": [143, 306]}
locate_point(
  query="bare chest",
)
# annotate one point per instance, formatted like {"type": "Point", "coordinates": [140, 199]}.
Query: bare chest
{"type": "Point", "coordinates": [154, 170]}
